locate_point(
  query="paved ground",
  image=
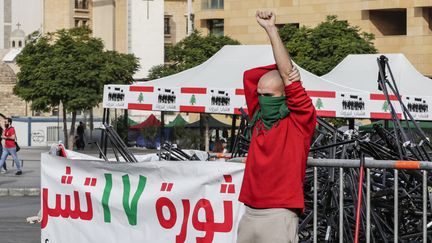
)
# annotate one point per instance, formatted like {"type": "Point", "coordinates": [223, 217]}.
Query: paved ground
{"type": "Point", "coordinates": [29, 181]}
{"type": "Point", "coordinates": [31, 170]}
{"type": "Point", "coordinates": [13, 225]}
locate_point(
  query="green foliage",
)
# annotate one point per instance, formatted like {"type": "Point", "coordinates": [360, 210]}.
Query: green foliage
{"type": "Point", "coordinates": [320, 49]}
{"type": "Point", "coordinates": [190, 52]}
{"type": "Point", "coordinates": [150, 132]}
{"type": "Point", "coordinates": [337, 122]}
{"type": "Point", "coordinates": [69, 67]}
{"type": "Point", "coordinates": [121, 127]}
{"type": "Point", "coordinates": [179, 132]}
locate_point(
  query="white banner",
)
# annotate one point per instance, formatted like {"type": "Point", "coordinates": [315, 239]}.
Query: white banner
{"type": "Point", "coordinates": [229, 101]}
{"type": "Point", "coordinates": [114, 96]}
{"type": "Point", "coordinates": [162, 201]}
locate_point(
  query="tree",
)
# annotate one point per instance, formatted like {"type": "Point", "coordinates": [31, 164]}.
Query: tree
{"type": "Point", "coordinates": [320, 49]}
{"type": "Point", "coordinates": [69, 67]}
{"type": "Point", "coordinates": [190, 52]}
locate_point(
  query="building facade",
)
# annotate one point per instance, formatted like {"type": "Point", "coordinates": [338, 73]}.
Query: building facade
{"type": "Point", "coordinates": [127, 26]}
{"type": "Point", "coordinates": [399, 26]}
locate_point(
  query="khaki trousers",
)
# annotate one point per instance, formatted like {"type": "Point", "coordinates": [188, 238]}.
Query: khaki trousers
{"type": "Point", "coordinates": [272, 225]}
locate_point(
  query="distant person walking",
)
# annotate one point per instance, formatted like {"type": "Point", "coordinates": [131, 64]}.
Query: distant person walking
{"type": "Point", "coordinates": [4, 169]}
{"type": "Point", "coordinates": [80, 132]}
{"type": "Point", "coordinates": [9, 136]}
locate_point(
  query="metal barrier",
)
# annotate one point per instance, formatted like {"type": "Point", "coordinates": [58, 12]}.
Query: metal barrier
{"type": "Point", "coordinates": [368, 164]}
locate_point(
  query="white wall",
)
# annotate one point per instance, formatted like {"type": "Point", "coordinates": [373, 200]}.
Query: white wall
{"type": "Point", "coordinates": [146, 34]}
{"type": "Point", "coordinates": [39, 132]}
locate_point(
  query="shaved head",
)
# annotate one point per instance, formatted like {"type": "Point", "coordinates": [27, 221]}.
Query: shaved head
{"type": "Point", "coordinates": [271, 84]}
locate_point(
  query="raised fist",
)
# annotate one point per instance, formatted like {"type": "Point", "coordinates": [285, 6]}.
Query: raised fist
{"type": "Point", "coordinates": [265, 18]}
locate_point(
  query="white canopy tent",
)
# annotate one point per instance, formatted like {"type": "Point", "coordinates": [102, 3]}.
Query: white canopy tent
{"type": "Point", "coordinates": [216, 86]}
{"type": "Point", "coordinates": [361, 72]}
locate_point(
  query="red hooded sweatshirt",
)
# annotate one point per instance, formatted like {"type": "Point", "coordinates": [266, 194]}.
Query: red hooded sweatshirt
{"type": "Point", "coordinates": [276, 161]}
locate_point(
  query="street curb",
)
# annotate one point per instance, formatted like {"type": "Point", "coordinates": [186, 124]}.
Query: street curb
{"type": "Point", "coordinates": [19, 192]}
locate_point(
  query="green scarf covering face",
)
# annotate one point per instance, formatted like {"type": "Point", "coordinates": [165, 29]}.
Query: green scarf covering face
{"type": "Point", "coordinates": [272, 109]}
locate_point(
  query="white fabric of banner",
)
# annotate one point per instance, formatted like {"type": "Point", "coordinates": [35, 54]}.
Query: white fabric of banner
{"type": "Point", "coordinates": [160, 201]}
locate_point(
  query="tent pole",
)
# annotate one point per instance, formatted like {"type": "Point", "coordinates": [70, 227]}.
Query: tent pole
{"type": "Point", "coordinates": [162, 135]}
{"type": "Point", "coordinates": [103, 132]}
{"type": "Point", "coordinates": [207, 135]}
{"type": "Point", "coordinates": [106, 121]}
{"type": "Point", "coordinates": [202, 135]}
{"type": "Point", "coordinates": [233, 128]}
{"type": "Point", "coordinates": [351, 123]}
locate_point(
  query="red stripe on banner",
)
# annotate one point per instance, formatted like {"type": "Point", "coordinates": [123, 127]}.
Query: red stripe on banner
{"type": "Point", "coordinates": [186, 108]}
{"type": "Point", "coordinates": [383, 115]}
{"type": "Point", "coordinates": [239, 92]}
{"type": "Point", "coordinates": [223, 188]}
{"type": "Point", "coordinates": [382, 97]}
{"type": "Point", "coordinates": [141, 88]}
{"type": "Point", "coordinates": [321, 94]}
{"type": "Point", "coordinates": [326, 113]}
{"type": "Point", "coordinates": [237, 111]}
{"type": "Point", "coordinates": [146, 107]}
{"type": "Point", "coordinates": [231, 188]}
{"type": "Point", "coordinates": [170, 186]}
{"type": "Point", "coordinates": [228, 178]}
{"type": "Point", "coordinates": [190, 90]}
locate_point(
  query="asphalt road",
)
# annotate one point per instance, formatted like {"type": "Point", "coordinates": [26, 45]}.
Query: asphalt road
{"type": "Point", "coordinates": [13, 225]}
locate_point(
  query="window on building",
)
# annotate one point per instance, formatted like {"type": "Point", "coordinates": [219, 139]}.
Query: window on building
{"type": "Point", "coordinates": [53, 133]}
{"type": "Point", "coordinates": [212, 4]}
{"type": "Point", "coordinates": [19, 43]}
{"type": "Point", "coordinates": [296, 25]}
{"type": "Point", "coordinates": [427, 15]}
{"type": "Point", "coordinates": [84, 23]}
{"type": "Point", "coordinates": [13, 43]}
{"type": "Point", "coordinates": [81, 4]}
{"type": "Point", "coordinates": [167, 26]}
{"type": "Point", "coordinates": [389, 21]}
{"type": "Point", "coordinates": [36, 113]}
{"type": "Point", "coordinates": [55, 112]}
{"type": "Point", "coordinates": [216, 26]}
{"type": "Point", "coordinates": [85, 4]}
{"type": "Point", "coordinates": [77, 22]}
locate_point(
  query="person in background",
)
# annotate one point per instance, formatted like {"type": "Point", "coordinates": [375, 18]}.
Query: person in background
{"type": "Point", "coordinates": [9, 136]}
{"type": "Point", "coordinates": [80, 132]}
{"type": "Point", "coordinates": [4, 168]}
{"type": "Point", "coordinates": [218, 147]}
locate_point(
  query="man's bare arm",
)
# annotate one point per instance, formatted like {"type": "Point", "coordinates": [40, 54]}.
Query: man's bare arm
{"type": "Point", "coordinates": [267, 20]}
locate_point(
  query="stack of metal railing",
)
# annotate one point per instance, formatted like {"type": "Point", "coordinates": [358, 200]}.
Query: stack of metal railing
{"type": "Point", "coordinates": [392, 204]}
